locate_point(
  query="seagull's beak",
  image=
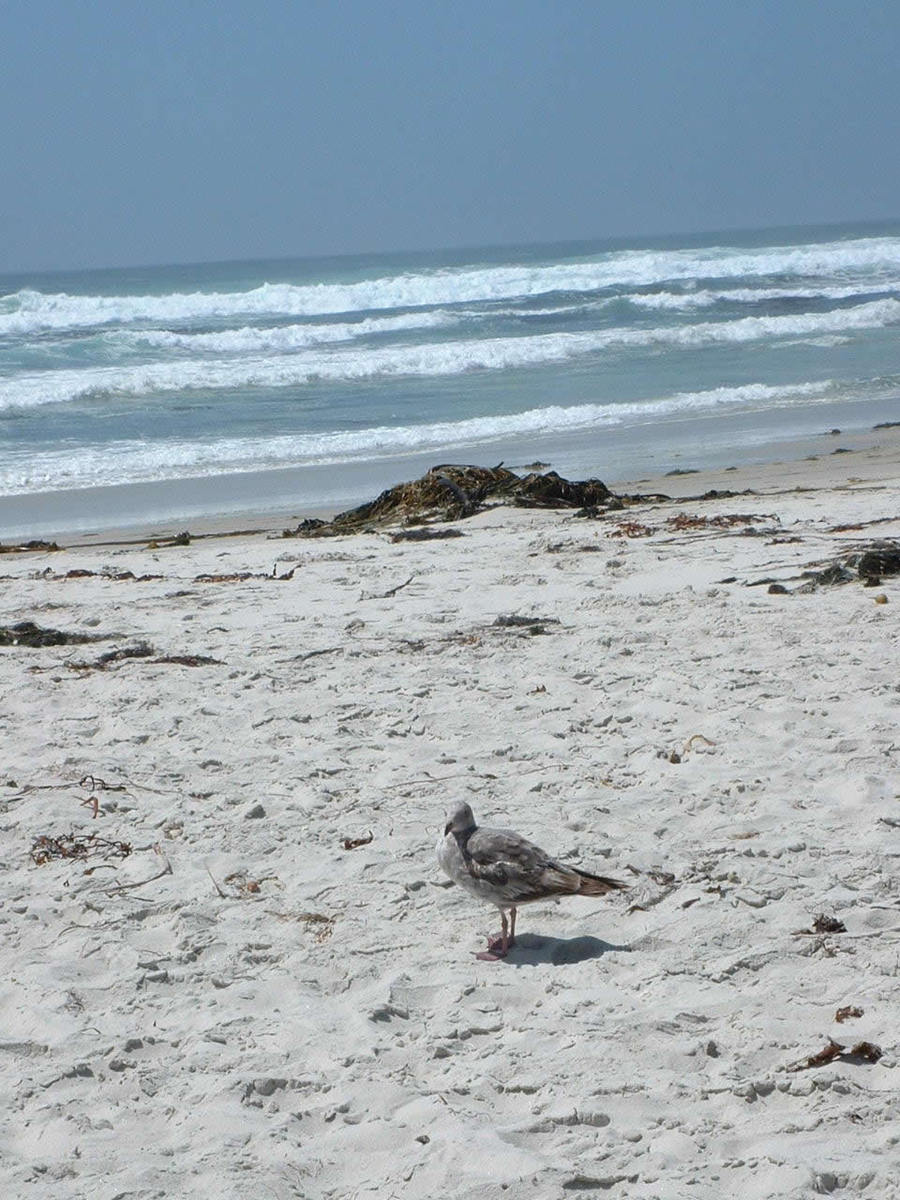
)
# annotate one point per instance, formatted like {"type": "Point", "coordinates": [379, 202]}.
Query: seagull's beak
{"type": "Point", "coordinates": [448, 827]}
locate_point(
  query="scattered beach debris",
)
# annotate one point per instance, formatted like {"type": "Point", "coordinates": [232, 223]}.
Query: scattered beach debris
{"type": "Point", "coordinates": [86, 573]}
{"type": "Point", "coordinates": [390, 592]}
{"type": "Point", "coordinates": [573, 547]}
{"type": "Point", "coordinates": [533, 626]}
{"type": "Point", "coordinates": [117, 576]}
{"type": "Point", "coordinates": [721, 521]}
{"type": "Point", "coordinates": [869, 561]}
{"type": "Point", "coordinates": [138, 883]}
{"type": "Point", "coordinates": [93, 803]}
{"type": "Point", "coordinates": [138, 650]}
{"type": "Point", "coordinates": [241, 885]}
{"type": "Point", "coordinates": [823, 924]}
{"type": "Point", "coordinates": [666, 881]}
{"type": "Point", "coordinates": [248, 887]}
{"type": "Point", "coordinates": [424, 534]}
{"type": "Point", "coordinates": [861, 1052]}
{"type": "Point", "coordinates": [243, 576]}
{"type": "Point", "coordinates": [349, 843]}
{"type": "Point", "coordinates": [318, 924]}
{"type": "Point", "coordinates": [19, 547]}
{"type": "Point", "coordinates": [47, 847]}
{"type": "Point", "coordinates": [847, 1013]}
{"type": "Point", "coordinates": [316, 653]}
{"type": "Point", "coordinates": [189, 660]}
{"type": "Point", "coordinates": [146, 651]}
{"type": "Point", "coordinates": [723, 493]}
{"type": "Point", "coordinates": [454, 492]}
{"type": "Point", "coordinates": [631, 529]}
{"type": "Point", "coordinates": [697, 737]}
{"type": "Point", "coordinates": [879, 558]}
{"type": "Point", "coordinates": [677, 756]}
{"type": "Point", "coordinates": [178, 539]}
{"type": "Point", "coordinates": [27, 633]}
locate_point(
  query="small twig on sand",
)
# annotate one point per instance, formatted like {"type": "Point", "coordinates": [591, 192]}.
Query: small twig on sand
{"type": "Point", "coordinates": [390, 592]}
{"type": "Point", "coordinates": [94, 783]}
{"type": "Point", "coordinates": [316, 653]}
{"type": "Point", "coordinates": [697, 737]}
{"type": "Point", "coordinates": [126, 887]}
{"type": "Point", "coordinates": [224, 895]}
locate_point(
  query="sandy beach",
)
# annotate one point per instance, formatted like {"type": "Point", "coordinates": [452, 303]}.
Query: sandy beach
{"type": "Point", "coordinates": [232, 966]}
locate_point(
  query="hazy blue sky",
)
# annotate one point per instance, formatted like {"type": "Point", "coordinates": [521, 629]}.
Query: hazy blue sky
{"type": "Point", "coordinates": [186, 130]}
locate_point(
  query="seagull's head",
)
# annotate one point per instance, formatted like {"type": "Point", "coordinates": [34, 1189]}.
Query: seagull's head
{"type": "Point", "coordinates": [460, 819]}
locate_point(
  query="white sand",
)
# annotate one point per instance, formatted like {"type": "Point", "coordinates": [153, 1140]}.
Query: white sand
{"type": "Point", "coordinates": [327, 1031]}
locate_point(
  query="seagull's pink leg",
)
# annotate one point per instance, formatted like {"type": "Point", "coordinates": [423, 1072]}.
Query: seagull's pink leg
{"type": "Point", "coordinates": [512, 926]}
{"type": "Point", "coordinates": [497, 945]}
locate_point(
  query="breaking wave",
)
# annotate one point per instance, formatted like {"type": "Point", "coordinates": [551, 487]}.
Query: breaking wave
{"type": "Point", "coordinates": [449, 358]}
{"type": "Point", "coordinates": [30, 311]}
{"type": "Point", "coordinates": [135, 461]}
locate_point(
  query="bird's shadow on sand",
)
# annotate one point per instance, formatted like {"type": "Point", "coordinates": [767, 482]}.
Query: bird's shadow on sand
{"type": "Point", "coordinates": [530, 949]}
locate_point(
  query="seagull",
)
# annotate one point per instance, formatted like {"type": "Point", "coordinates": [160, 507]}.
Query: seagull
{"type": "Point", "coordinates": [503, 868]}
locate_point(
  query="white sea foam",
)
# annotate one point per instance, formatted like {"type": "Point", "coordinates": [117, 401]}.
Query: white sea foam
{"type": "Point", "coordinates": [30, 311]}
{"type": "Point", "coordinates": [431, 359]}
{"type": "Point", "coordinates": [706, 297]}
{"type": "Point", "coordinates": [138, 461]}
{"type": "Point", "coordinates": [256, 340]}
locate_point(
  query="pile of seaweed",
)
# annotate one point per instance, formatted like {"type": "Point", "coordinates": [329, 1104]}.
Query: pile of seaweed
{"type": "Point", "coordinates": [868, 562]}
{"type": "Point", "coordinates": [26, 633]}
{"type": "Point", "coordinates": [451, 493]}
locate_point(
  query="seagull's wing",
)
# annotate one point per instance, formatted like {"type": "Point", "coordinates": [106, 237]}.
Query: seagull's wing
{"type": "Point", "coordinates": [520, 871]}
{"type": "Point", "coordinates": [517, 868]}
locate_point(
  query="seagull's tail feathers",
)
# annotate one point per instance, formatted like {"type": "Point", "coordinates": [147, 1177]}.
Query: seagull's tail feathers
{"type": "Point", "coordinates": [598, 885]}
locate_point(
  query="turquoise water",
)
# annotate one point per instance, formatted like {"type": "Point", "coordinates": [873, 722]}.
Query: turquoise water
{"type": "Point", "coordinates": [224, 386]}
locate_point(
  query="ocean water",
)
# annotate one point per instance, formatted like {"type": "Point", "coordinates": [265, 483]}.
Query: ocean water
{"type": "Point", "coordinates": [141, 395]}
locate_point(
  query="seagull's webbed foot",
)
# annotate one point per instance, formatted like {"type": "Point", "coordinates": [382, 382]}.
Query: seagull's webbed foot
{"type": "Point", "coordinates": [490, 955]}
{"type": "Point", "coordinates": [499, 943]}
{"type": "Point", "coordinates": [496, 949]}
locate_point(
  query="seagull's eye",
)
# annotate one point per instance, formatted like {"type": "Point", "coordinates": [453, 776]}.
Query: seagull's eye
{"type": "Point", "coordinates": [448, 827]}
